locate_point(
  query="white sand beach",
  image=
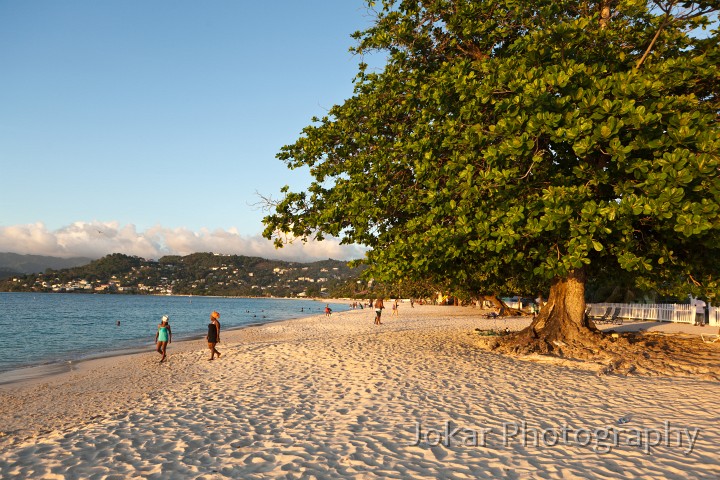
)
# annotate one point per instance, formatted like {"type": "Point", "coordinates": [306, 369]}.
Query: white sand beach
{"type": "Point", "coordinates": [339, 397]}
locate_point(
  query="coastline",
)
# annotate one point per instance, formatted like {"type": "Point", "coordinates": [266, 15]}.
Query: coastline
{"type": "Point", "coordinates": [94, 328]}
{"type": "Point", "coordinates": [339, 397]}
{"type": "Point", "coordinates": [46, 371]}
{"type": "Point", "coordinates": [56, 376]}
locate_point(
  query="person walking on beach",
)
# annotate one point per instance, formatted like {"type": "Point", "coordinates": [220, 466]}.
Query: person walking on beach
{"type": "Point", "coordinates": [328, 310]}
{"type": "Point", "coordinates": [378, 310]}
{"type": "Point", "coordinates": [395, 308]}
{"type": "Point", "coordinates": [163, 336]}
{"type": "Point", "coordinates": [213, 336]}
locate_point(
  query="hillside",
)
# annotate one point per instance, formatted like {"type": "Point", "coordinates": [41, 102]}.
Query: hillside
{"type": "Point", "coordinates": [196, 274]}
{"type": "Point", "coordinates": [16, 264]}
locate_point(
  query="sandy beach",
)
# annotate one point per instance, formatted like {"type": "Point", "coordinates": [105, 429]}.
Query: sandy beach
{"type": "Point", "coordinates": [339, 397]}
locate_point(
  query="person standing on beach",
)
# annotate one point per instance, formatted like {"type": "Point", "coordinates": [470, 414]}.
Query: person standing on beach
{"type": "Point", "coordinates": [700, 313]}
{"type": "Point", "coordinates": [163, 336]}
{"type": "Point", "coordinates": [328, 310]}
{"type": "Point", "coordinates": [378, 310]}
{"type": "Point", "coordinates": [213, 336]}
{"type": "Point", "coordinates": [395, 308]}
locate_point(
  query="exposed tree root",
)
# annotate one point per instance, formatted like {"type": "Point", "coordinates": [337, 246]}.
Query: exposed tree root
{"type": "Point", "coordinates": [562, 333]}
{"type": "Point", "coordinates": [618, 353]}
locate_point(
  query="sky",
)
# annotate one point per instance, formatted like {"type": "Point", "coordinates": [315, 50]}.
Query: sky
{"type": "Point", "coordinates": [150, 127]}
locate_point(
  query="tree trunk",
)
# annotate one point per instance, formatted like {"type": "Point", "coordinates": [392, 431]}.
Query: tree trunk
{"type": "Point", "coordinates": [561, 325]}
{"type": "Point", "coordinates": [503, 309]}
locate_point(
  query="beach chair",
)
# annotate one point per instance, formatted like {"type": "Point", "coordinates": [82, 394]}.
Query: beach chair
{"type": "Point", "coordinates": [615, 318]}
{"type": "Point", "coordinates": [604, 317]}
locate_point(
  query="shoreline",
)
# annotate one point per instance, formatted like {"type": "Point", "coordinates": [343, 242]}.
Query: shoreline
{"type": "Point", "coordinates": [46, 371]}
{"type": "Point", "coordinates": [340, 397]}
{"type": "Point", "coordinates": [65, 360]}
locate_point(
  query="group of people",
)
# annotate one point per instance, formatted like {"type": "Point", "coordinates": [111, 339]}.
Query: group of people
{"type": "Point", "coordinates": [164, 336]}
{"type": "Point", "coordinates": [164, 333]}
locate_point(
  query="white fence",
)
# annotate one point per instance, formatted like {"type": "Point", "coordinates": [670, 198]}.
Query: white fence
{"type": "Point", "coordinates": [655, 312]}
{"type": "Point", "coordinates": [714, 319]}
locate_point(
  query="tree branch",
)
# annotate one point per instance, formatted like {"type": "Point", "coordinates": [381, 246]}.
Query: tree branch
{"type": "Point", "coordinates": [668, 19]}
{"type": "Point", "coordinates": [665, 23]}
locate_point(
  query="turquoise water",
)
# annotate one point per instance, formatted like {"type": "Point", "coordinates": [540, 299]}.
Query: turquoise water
{"type": "Point", "coordinates": [47, 328]}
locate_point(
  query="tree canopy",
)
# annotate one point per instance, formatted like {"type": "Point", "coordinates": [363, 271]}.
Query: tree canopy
{"type": "Point", "coordinates": [522, 141]}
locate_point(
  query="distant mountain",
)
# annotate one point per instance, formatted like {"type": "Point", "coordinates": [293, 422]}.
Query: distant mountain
{"type": "Point", "coordinates": [7, 273]}
{"type": "Point", "coordinates": [195, 274]}
{"type": "Point", "coordinates": [14, 264]}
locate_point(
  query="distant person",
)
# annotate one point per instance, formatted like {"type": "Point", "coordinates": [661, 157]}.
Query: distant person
{"type": "Point", "coordinates": [395, 308]}
{"type": "Point", "coordinates": [378, 310]}
{"type": "Point", "coordinates": [213, 336]}
{"type": "Point", "coordinates": [700, 313]}
{"type": "Point", "coordinates": [163, 336]}
{"type": "Point", "coordinates": [328, 310]}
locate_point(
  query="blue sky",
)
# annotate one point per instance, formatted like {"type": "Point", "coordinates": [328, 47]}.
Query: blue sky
{"type": "Point", "coordinates": [147, 127]}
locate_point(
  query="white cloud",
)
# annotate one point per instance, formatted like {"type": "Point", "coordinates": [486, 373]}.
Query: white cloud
{"type": "Point", "coordinates": [97, 239]}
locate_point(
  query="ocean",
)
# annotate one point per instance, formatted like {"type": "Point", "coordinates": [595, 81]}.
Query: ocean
{"type": "Point", "coordinates": [56, 328]}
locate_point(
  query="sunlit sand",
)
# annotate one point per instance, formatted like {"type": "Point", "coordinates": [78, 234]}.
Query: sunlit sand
{"type": "Point", "coordinates": [339, 397]}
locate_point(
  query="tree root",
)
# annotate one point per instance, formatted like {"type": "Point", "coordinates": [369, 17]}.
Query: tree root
{"type": "Point", "coordinates": [617, 353]}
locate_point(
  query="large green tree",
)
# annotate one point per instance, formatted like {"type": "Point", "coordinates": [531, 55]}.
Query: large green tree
{"type": "Point", "coordinates": [536, 142]}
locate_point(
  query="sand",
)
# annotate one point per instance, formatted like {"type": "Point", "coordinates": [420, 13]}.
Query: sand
{"type": "Point", "coordinates": [339, 397]}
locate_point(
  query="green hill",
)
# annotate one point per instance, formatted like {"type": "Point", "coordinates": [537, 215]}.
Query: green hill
{"type": "Point", "coordinates": [195, 274]}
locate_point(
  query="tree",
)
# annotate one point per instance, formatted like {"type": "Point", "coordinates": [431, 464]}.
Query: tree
{"type": "Point", "coordinates": [538, 143]}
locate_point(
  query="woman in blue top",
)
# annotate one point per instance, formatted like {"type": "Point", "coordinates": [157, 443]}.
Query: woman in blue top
{"type": "Point", "coordinates": [163, 337]}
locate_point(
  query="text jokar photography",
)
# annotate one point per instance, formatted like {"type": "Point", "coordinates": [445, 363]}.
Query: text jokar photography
{"type": "Point", "coordinates": [518, 433]}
